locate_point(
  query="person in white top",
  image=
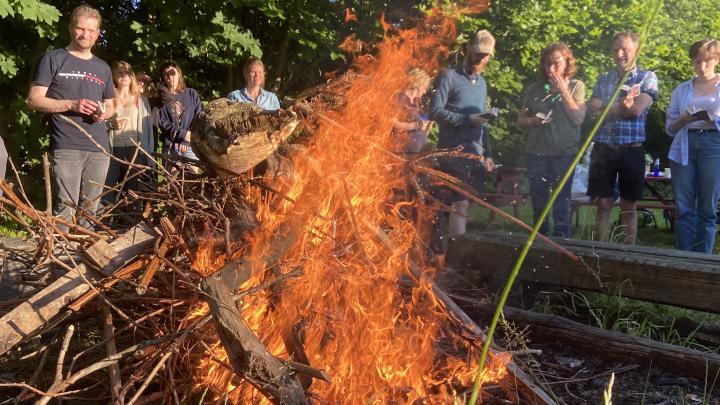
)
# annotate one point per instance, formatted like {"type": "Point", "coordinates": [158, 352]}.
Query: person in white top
{"type": "Point", "coordinates": [693, 119]}
{"type": "Point", "coordinates": [130, 126]}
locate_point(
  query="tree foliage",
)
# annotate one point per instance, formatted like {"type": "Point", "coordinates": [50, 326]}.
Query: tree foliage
{"type": "Point", "coordinates": [298, 41]}
{"type": "Point", "coordinates": [524, 27]}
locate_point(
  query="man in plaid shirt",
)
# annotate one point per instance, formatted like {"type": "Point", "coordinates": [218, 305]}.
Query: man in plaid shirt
{"type": "Point", "coordinates": [618, 153]}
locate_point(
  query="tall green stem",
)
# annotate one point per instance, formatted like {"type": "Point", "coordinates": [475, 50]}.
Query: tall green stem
{"type": "Point", "coordinates": [526, 248]}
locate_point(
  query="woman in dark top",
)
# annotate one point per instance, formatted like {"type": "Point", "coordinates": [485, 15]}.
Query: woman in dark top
{"type": "Point", "coordinates": [553, 110]}
{"type": "Point", "coordinates": [176, 116]}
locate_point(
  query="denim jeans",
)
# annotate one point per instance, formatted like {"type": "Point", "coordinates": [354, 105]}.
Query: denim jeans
{"type": "Point", "coordinates": [697, 189]}
{"type": "Point", "coordinates": [79, 177]}
{"type": "Point", "coordinates": [544, 172]}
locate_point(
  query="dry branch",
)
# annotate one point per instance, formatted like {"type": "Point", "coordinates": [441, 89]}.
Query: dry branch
{"type": "Point", "coordinates": [37, 311]}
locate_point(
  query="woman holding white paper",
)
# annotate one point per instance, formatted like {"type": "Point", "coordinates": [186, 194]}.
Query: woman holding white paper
{"type": "Point", "coordinates": [693, 119]}
{"type": "Point", "coordinates": [553, 110]}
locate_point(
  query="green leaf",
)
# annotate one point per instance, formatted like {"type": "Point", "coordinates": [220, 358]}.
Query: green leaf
{"type": "Point", "coordinates": [6, 9]}
{"type": "Point", "coordinates": [8, 67]}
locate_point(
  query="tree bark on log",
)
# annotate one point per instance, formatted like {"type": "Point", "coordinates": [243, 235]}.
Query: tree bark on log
{"type": "Point", "coordinates": [234, 137]}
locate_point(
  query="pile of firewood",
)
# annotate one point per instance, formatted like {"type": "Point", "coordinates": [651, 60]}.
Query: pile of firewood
{"type": "Point", "coordinates": [126, 299]}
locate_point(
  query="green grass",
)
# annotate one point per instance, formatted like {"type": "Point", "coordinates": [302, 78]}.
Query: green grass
{"type": "Point", "coordinates": [648, 235]}
{"type": "Point", "coordinates": [10, 229]}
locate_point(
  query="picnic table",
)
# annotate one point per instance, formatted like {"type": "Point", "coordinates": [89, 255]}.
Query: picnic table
{"type": "Point", "coordinates": [658, 198]}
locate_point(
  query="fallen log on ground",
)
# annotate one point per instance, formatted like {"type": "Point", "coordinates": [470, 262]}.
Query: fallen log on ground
{"type": "Point", "coordinates": [42, 307]}
{"type": "Point", "coordinates": [615, 345]}
{"type": "Point", "coordinates": [666, 276]}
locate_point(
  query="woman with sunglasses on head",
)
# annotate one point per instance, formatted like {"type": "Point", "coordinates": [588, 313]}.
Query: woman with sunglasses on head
{"type": "Point", "coordinates": [130, 126]}
{"type": "Point", "coordinates": [553, 110]}
{"type": "Point", "coordinates": [693, 120]}
{"type": "Point", "coordinates": [176, 116]}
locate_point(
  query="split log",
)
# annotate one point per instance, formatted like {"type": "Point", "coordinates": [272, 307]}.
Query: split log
{"type": "Point", "coordinates": [42, 307]}
{"type": "Point", "coordinates": [248, 356]}
{"type": "Point", "coordinates": [615, 345]}
{"type": "Point", "coordinates": [237, 136]}
{"type": "Point", "coordinates": [666, 276]}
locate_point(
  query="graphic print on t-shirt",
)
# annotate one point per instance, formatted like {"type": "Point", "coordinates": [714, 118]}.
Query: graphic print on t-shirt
{"type": "Point", "coordinates": [83, 76]}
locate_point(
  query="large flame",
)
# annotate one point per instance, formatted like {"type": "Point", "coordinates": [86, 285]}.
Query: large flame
{"type": "Point", "coordinates": [378, 345]}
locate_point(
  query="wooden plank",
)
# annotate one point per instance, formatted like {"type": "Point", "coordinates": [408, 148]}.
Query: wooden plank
{"type": "Point", "coordinates": [43, 306]}
{"type": "Point", "coordinates": [616, 345]}
{"type": "Point", "coordinates": [102, 255]}
{"type": "Point", "coordinates": [667, 276]}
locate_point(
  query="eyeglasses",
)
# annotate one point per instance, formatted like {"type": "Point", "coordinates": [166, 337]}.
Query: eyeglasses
{"type": "Point", "coordinates": [556, 62]}
{"type": "Point", "coordinates": [169, 72]}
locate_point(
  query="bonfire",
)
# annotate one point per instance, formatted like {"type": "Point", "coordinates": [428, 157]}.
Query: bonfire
{"type": "Point", "coordinates": [302, 280]}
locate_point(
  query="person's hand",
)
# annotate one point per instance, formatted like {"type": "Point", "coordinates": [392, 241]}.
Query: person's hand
{"type": "Point", "coordinates": [187, 137]}
{"type": "Point", "coordinates": [182, 147]}
{"type": "Point", "coordinates": [476, 120]}
{"type": "Point", "coordinates": [84, 106]}
{"type": "Point", "coordinates": [541, 122]}
{"type": "Point", "coordinates": [701, 116]}
{"type": "Point", "coordinates": [628, 102]}
{"type": "Point", "coordinates": [489, 164]}
{"type": "Point", "coordinates": [425, 126]}
{"type": "Point", "coordinates": [121, 122]}
{"type": "Point", "coordinates": [559, 83]}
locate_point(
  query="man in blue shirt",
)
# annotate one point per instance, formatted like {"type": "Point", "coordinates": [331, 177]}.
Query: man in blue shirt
{"type": "Point", "coordinates": [618, 153]}
{"type": "Point", "coordinates": [458, 103]}
{"type": "Point", "coordinates": [254, 73]}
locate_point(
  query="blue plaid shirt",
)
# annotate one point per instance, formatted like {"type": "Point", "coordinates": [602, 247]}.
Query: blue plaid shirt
{"type": "Point", "coordinates": [624, 130]}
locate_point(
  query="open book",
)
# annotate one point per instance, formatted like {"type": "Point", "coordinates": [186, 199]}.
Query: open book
{"type": "Point", "coordinates": [545, 117]}
{"type": "Point", "coordinates": [633, 91]}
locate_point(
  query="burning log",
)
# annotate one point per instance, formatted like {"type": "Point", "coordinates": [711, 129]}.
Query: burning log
{"type": "Point", "coordinates": [247, 354]}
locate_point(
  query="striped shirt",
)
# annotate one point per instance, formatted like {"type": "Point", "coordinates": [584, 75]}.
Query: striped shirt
{"type": "Point", "coordinates": [624, 130]}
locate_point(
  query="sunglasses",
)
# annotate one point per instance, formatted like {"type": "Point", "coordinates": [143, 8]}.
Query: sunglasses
{"type": "Point", "coordinates": [169, 72]}
{"type": "Point", "coordinates": [121, 73]}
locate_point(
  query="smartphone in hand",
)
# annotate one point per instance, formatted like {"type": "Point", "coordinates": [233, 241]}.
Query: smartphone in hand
{"type": "Point", "coordinates": [491, 115]}
{"type": "Point", "coordinates": [701, 115]}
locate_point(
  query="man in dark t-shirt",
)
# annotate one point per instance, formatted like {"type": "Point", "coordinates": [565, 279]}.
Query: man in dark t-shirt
{"type": "Point", "coordinates": [75, 87]}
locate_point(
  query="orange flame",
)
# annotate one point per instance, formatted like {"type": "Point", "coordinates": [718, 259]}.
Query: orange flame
{"type": "Point", "coordinates": [378, 345]}
{"type": "Point", "coordinates": [350, 16]}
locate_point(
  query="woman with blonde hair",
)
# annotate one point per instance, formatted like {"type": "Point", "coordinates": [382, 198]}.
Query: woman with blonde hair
{"type": "Point", "coordinates": [130, 126]}
{"type": "Point", "coordinates": [412, 126]}
{"type": "Point", "coordinates": [693, 120]}
{"type": "Point", "coordinates": [552, 111]}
